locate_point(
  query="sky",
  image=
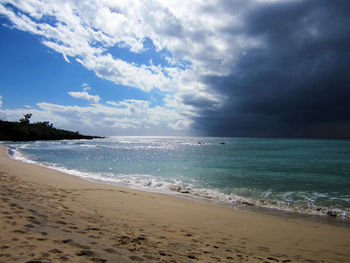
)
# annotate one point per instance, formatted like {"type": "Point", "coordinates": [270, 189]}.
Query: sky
{"type": "Point", "coordinates": [251, 68]}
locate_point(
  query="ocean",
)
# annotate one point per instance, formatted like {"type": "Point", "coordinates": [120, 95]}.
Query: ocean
{"type": "Point", "coordinates": [301, 176]}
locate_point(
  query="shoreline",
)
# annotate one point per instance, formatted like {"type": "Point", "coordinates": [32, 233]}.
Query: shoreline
{"type": "Point", "coordinates": [50, 216]}
{"type": "Point", "coordinates": [313, 214]}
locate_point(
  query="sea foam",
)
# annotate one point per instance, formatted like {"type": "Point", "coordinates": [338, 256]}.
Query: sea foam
{"type": "Point", "coordinates": [241, 172]}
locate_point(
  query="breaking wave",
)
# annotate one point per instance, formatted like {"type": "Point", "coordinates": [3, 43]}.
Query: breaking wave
{"type": "Point", "coordinates": [295, 202]}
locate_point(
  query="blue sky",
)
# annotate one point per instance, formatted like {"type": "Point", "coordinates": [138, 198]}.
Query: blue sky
{"type": "Point", "coordinates": [97, 92]}
{"type": "Point", "coordinates": [32, 72]}
{"type": "Point", "coordinates": [160, 68]}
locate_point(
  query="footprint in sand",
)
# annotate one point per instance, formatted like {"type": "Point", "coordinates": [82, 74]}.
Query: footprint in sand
{"type": "Point", "coordinates": [20, 231]}
{"type": "Point", "coordinates": [92, 229]}
{"type": "Point", "coordinates": [273, 259]}
{"type": "Point", "coordinates": [99, 260]}
{"type": "Point", "coordinates": [66, 241]}
{"type": "Point", "coordinates": [84, 252]}
{"type": "Point", "coordinates": [110, 250]}
{"type": "Point", "coordinates": [55, 251]}
{"type": "Point", "coordinates": [61, 222]}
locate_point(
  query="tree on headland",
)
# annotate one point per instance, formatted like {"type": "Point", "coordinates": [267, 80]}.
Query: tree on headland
{"type": "Point", "coordinates": [46, 124]}
{"type": "Point", "coordinates": [26, 131]}
{"type": "Point", "coordinates": [25, 120]}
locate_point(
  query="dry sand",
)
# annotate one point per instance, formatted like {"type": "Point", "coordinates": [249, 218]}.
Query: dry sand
{"type": "Point", "coordinates": [48, 216]}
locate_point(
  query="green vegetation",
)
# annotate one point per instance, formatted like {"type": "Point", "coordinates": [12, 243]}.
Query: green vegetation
{"type": "Point", "coordinates": [26, 131]}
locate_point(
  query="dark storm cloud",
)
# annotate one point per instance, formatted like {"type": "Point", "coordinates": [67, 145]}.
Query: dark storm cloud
{"type": "Point", "coordinates": [297, 84]}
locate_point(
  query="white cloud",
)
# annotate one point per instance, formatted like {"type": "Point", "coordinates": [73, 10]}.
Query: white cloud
{"type": "Point", "coordinates": [0, 101]}
{"type": "Point", "coordinates": [74, 35]}
{"type": "Point", "coordinates": [85, 29]}
{"type": "Point", "coordinates": [121, 72]}
{"type": "Point", "coordinates": [114, 117]}
{"type": "Point", "coordinates": [85, 96]}
{"type": "Point", "coordinates": [196, 32]}
{"type": "Point", "coordinates": [86, 86]}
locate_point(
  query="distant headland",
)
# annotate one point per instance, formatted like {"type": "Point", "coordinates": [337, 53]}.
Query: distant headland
{"type": "Point", "coordinates": [26, 131]}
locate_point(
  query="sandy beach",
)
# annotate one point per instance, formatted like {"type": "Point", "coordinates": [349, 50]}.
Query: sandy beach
{"type": "Point", "coordinates": [48, 216]}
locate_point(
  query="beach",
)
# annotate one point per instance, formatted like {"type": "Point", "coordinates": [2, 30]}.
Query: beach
{"type": "Point", "coordinates": [49, 216]}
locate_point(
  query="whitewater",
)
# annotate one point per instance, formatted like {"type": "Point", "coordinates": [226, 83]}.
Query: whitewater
{"type": "Point", "coordinates": [303, 176]}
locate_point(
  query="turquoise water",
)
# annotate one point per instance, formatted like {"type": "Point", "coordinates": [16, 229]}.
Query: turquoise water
{"type": "Point", "coordinates": [304, 176]}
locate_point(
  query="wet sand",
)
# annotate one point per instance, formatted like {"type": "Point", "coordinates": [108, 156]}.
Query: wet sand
{"type": "Point", "coordinates": [48, 216]}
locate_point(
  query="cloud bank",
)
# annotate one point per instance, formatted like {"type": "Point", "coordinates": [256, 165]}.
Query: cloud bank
{"type": "Point", "coordinates": [296, 83]}
{"type": "Point", "coordinates": [230, 68]}
{"type": "Point", "coordinates": [130, 116]}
